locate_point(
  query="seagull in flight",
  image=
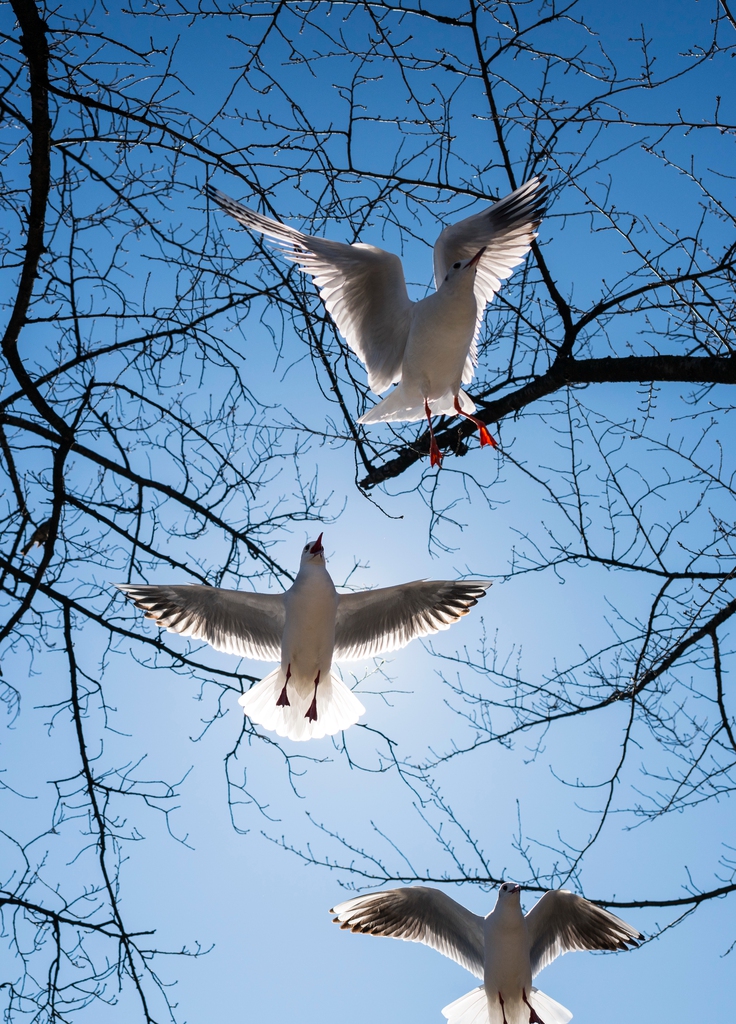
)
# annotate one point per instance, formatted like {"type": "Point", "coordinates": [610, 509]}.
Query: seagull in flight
{"type": "Point", "coordinates": [506, 949]}
{"type": "Point", "coordinates": [304, 629]}
{"type": "Point", "coordinates": [427, 348]}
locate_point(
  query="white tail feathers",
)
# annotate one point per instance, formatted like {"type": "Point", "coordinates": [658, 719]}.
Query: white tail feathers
{"type": "Point", "coordinates": [472, 1008]}
{"type": "Point", "coordinates": [408, 407]}
{"type": "Point", "coordinates": [549, 1009]}
{"type": "Point", "coordinates": [337, 707]}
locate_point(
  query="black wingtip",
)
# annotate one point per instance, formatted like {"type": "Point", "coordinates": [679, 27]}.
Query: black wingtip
{"type": "Point", "coordinates": [216, 195]}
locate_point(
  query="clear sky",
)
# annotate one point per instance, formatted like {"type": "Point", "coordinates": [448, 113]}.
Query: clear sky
{"type": "Point", "coordinates": [229, 886]}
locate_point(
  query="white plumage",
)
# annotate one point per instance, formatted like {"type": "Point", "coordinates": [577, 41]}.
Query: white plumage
{"type": "Point", "coordinates": [305, 628]}
{"type": "Point", "coordinates": [506, 948]}
{"type": "Point", "coordinates": [428, 348]}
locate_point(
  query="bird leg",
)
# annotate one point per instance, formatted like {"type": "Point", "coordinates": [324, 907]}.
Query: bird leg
{"type": "Point", "coordinates": [435, 455]}
{"type": "Point", "coordinates": [503, 1011]}
{"type": "Point", "coordinates": [485, 437]}
{"type": "Point", "coordinates": [283, 701]}
{"type": "Point", "coordinates": [534, 1017]}
{"type": "Point", "coordinates": [312, 710]}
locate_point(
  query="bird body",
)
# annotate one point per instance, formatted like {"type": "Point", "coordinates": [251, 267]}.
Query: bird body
{"type": "Point", "coordinates": [506, 964]}
{"type": "Point", "coordinates": [308, 640]}
{"type": "Point", "coordinates": [428, 348]}
{"type": "Point", "coordinates": [506, 948]}
{"type": "Point", "coordinates": [305, 629]}
{"type": "Point", "coordinates": [436, 353]}
{"type": "Point", "coordinates": [286, 700]}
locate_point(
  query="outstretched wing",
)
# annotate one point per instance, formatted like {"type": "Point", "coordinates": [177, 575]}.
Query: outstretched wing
{"type": "Point", "coordinates": [375, 621]}
{"type": "Point", "coordinates": [362, 287]}
{"type": "Point", "coordinates": [561, 922]}
{"type": "Point", "coordinates": [249, 625]}
{"type": "Point", "coordinates": [418, 914]}
{"type": "Point", "coordinates": [507, 230]}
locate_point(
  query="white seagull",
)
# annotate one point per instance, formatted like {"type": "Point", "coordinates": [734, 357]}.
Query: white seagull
{"type": "Point", "coordinates": [305, 628]}
{"type": "Point", "coordinates": [428, 347]}
{"type": "Point", "coordinates": [506, 949]}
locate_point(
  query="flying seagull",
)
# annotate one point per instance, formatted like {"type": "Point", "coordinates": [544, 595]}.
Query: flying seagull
{"type": "Point", "coordinates": [305, 628]}
{"type": "Point", "coordinates": [429, 348]}
{"type": "Point", "coordinates": [506, 949]}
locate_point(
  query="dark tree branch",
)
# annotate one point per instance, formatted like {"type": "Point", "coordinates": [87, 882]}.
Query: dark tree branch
{"type": "Point", "coordinates": [707, 370]}
{"type": "Point", "coordinates": [35, 47]}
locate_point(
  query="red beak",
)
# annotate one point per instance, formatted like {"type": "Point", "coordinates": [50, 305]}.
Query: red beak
{"type": "Point", "coordinates": [476, 257]}
{"type": "Point", "coordinates": [317, 546]}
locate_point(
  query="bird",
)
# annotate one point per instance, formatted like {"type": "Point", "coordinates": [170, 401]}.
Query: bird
{"type": "Point", "coordinates": [38, 538]}
{"type": "Point", "coordinates": [430, 347]}
{"type": "Point", "coordinates": [506, 948]}
{"type": "Point", "coordinates": [305, 628]}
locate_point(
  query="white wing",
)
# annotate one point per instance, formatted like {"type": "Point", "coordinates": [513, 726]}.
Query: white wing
{"type": "Point", "coordinates": [234, 621]}
{"type": "Point", "coordinates": [418, 914]}
{"type": "Point", "coordinates": [561, 922]}
{"type": "Point", "coordinates": [362, 287]}
{"type": "Point", "coordinates": [375, 621]}
{"type": "Point", "coordinates": [507, 230]}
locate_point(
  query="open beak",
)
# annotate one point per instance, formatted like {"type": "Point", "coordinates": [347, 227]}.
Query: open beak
{"type": "Point", "coordinates": [517, 888]}
{"type": "Point", "coordinates": [476, 257]}
{"type": "Point", "coordinates": [317, 546]}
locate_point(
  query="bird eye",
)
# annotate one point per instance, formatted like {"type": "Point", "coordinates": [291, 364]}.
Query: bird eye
{"type": "Point", "coordinates": [455, 266]}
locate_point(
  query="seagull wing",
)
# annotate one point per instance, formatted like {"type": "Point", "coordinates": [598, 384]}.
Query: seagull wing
{"type": "Point", "coordinates": [418, 914]}
{"type": "Point", "coordinates": [375, 621]}
{"type": "Point", "coordinates": [237, 622]}
{"type": "Point", "coordinates": [561, 922]}
{"type": "Point", "coordinates": [507, 230]}
{"type": "Point", "coordinates": [363, 288]}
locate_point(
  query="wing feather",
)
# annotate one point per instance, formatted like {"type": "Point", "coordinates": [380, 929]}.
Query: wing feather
{"type": "Point", "coordinates": [376, 621]}
{"type": "Point", "coordinates": [418, 914]}
{"type": "Point", "coordinates": [562, 921]}
{"type": "Point", "coordinates": [507, 230]}
{"type": "Point", "coordinates": [234, 621]}
{"type": "Point", "coordinates": [362, 287]}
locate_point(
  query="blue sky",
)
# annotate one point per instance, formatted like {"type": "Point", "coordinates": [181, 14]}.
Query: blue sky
{"type": "Point", "coordinates": [258, 909]}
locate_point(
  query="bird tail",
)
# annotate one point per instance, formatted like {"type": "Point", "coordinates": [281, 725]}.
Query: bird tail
{"type": "Point", "coordinates": [337, 707]}
{"type": "Point", "coordinates": [548, 1008]}
{"type": "Point", "coordinates": [401, 406]}
{"type": "Point", "coordinates": [395, 406]}
{"type": "Point", "coordinates": [472, 1008]}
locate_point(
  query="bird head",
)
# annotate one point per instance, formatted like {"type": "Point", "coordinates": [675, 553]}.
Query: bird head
{"type": "Point", "coordinates": [509, 891]}
{"type": "Point", "coordinates": [464, 270]}
{"type": "Point", "coordinates": [314, 552]}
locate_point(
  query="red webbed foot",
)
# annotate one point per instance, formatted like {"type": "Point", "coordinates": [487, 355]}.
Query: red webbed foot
{"type": "Point", "coordinates": [312, 709]}
{"type": "Point", "coordinates": [503, 1008]}
{"type": "Point", "coordinates": [485, 436]}
{"type": "Point", "coordinates": [435, 455]}
{"type": "Point", "coordinates": [534, 1017]}
{"type": "Point", "coordinates": [283, 701]}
